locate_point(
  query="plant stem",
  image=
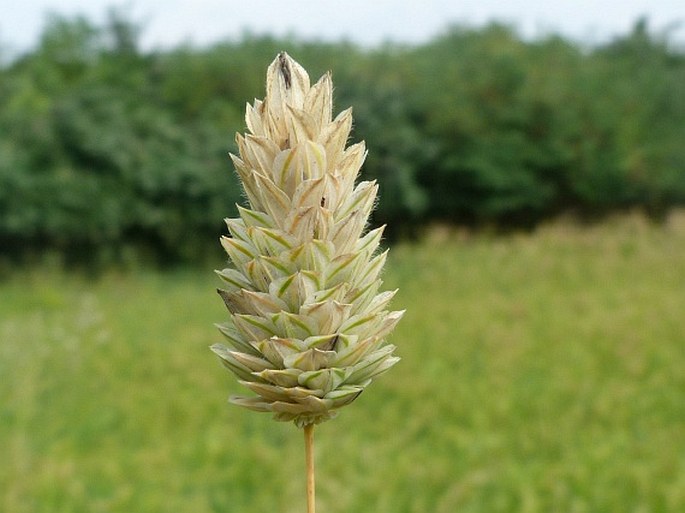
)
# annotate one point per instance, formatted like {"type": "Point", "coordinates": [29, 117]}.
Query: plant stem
{"type": "Point", "coordinates": [309, 456]}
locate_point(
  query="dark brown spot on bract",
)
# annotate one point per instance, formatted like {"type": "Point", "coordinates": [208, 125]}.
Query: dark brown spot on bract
{"type": "Point", "coordinates": [285, 69]}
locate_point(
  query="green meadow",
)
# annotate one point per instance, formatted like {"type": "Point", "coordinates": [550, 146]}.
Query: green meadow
{"type": "Point", "coordinates": [540, 372]}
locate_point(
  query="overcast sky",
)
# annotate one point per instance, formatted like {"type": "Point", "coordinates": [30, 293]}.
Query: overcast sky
{"type": "Point", "coordinates": [368, 22]}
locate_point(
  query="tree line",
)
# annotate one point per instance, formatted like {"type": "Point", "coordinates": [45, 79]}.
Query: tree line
{"type": "Point", "coordinates": [108, 151]}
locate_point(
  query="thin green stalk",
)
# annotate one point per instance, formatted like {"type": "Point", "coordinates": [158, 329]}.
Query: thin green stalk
{"type": "Point", "coordinates": [309, 456]}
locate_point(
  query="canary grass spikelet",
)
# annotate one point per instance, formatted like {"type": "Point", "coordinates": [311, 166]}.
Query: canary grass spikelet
{"type": "Point", "coordinates": [308, 322]}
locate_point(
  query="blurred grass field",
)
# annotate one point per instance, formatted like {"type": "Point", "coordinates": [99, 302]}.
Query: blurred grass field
{"type": "Point", "coordinates": [541, 372]}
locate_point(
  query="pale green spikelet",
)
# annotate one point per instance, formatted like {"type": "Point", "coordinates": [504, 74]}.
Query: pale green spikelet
{"type": "Point", "coordinates": [307, 321]}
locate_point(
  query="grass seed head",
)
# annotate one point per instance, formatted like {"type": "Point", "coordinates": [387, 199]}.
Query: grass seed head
{"type": "Point", "coordinates": [308, 321]}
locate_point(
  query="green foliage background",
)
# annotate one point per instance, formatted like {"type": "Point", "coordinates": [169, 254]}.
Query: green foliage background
{"type": "Point", "coordinates": [108, 152]}
{"type": "Point", "coordinates": [542, 371]}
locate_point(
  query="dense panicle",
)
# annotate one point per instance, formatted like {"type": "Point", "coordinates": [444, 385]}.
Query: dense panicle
{"type": "Point", "coordinates": [307, 322]}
